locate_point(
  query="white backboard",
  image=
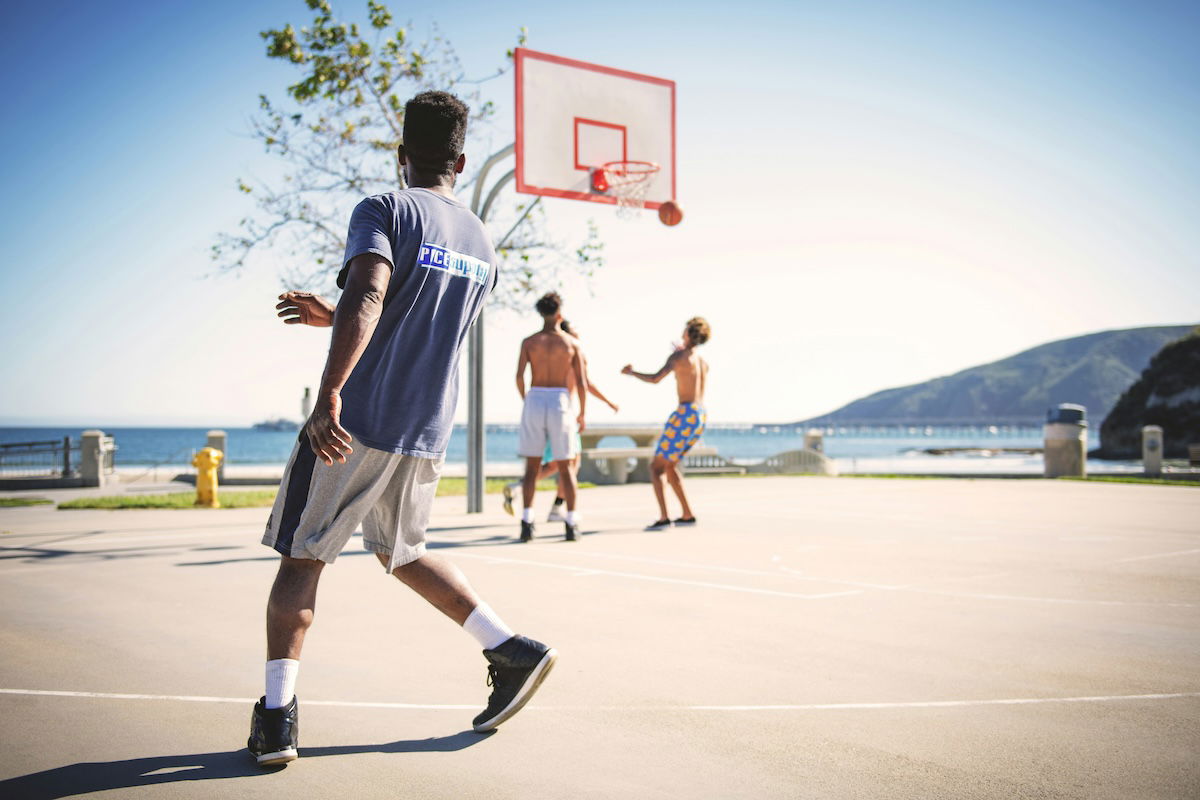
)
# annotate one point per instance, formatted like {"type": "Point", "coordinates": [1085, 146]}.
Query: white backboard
{"type": "Point", "coordinates": [573, 116]}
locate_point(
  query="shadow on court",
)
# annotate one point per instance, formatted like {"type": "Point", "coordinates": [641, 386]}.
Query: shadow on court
{"type": "Point", "coordinates": [98, 776]}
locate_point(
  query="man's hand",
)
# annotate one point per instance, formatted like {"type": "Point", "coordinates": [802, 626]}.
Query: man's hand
{"type": "Point", "coordinates": [326, 436]}
{"type": "Point", "coordinates": [582, 425]}
{"type": "Point", "coordinates": [305, 308]}
{"type": "Point", "coordinates": [627, 369]}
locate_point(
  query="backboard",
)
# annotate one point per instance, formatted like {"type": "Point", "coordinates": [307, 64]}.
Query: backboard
{"type": "Point", "coordinates": [573, 117]}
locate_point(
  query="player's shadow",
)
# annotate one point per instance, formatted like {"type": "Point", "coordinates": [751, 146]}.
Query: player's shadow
{"type": "Point", "coordinates": [99, 776]}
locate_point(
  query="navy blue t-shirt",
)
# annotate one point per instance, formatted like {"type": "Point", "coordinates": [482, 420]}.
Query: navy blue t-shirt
{"type": "Point", "coordinates": [400, 398]}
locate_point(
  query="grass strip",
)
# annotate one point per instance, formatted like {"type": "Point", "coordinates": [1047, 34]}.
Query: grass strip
{"type": "Point", "coordinates": [18, 502]}
{"type": "Point", "coordinates": [261, 498]}
{"type": "Point", "coordinates": [1135, 479]}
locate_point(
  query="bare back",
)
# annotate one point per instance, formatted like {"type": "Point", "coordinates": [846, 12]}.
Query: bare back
{"type": "Point", "coordinates": [551, 356]}
{"type": "Point", "coordinates": [691, 375]}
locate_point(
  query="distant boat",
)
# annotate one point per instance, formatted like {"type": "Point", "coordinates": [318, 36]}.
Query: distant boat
{"type": "Point", "coordinates": [285, 425]}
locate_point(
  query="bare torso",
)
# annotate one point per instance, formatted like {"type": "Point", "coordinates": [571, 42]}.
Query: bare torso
{"type": "Point", "coordinates": [550, 355]}
{"type": "Point", "coordinates": [691, 374]}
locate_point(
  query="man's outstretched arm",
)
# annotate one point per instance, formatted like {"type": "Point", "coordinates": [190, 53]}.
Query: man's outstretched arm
{"type": "Point", "coordinates": [652, 377]}
{"type": "Point", "coordinates": [354, 323]}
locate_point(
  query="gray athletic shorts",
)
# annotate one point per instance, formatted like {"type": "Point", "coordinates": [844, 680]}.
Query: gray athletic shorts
{"type": "Point", "coordinates": [547, 418]}
{"type": "Point", "coordinates": [319, 507]}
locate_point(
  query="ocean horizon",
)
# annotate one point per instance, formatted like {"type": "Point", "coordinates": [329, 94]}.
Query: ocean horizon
{"type": "Point", "coordinates": [901, 449]}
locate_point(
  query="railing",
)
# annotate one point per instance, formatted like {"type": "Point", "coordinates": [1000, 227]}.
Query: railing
{"type": "Point", "coordinates": [47, 459]}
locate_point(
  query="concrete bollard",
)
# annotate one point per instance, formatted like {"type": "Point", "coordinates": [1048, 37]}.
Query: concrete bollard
{"type": "Point", "coordinates": [1152, 450]}
{"type": "Point", "coordinates": [814, 440]}
{"type": "Point", "coordinates": [217, 441]}
{"type": "Point", "coordinates": [1065, 441]}
{"type": "Point", "coordinates": [93, 447]}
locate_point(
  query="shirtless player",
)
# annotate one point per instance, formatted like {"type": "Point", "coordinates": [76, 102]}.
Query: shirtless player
{"type": "Point", "coordinates": [552, 358]}
{"type": "Point", "coordinates": [686, 423]}
{"type": "Point", "coordinates": [549, 465]}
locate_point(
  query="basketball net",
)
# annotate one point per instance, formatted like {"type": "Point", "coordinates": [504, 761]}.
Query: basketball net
{"type": "Point", "coordinates": [629, 181]}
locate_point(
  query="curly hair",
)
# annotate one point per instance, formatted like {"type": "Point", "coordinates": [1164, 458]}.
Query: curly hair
{"type": "Point", "coordinates": [698, 330]}
{"type": "Point", "coordinates": [548, 304]}
{"type": "Point", "coordinates": [435, 131]}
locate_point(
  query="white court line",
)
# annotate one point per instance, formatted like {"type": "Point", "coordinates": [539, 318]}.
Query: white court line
{"type": "Point", "coordinates": [655, 578]}
{"type": "Point", "coordinates": [794, 573]}
{"type": "Point", "coordinates": [1008, 701]}
{"type": "Point", "coordinates": [1061, 600]}
{"type": "Point", "coordinates": [1155, 555]}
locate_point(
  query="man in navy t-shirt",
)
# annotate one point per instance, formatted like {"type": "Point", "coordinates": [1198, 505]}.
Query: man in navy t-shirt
{"type": "Point", "coordinates": [418, 267]}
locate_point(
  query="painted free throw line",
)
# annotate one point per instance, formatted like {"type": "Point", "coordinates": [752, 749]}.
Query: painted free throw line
{"type": "Point", "coordinates": [1012, 701]}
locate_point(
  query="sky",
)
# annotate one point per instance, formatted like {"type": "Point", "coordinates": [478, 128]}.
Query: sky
{"type": "Point", "coordinates": [875, 194]}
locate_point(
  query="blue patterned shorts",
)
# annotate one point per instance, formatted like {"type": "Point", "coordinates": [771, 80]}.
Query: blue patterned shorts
{"type": "Point", "coordinates": [683, 429]}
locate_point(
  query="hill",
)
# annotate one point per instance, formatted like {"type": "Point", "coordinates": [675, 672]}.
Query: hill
{"type": "Point", "coordinates": [1092, 370]}
{"type": "Point", "coordinates": [1167, 394]}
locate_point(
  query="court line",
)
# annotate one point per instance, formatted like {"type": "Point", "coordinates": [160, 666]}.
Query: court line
{"type": "Point", "coordinates": [1155, 555]}
{"type": "Point", "coordinates": [728, 587]}
{"type": "Point", "coordinates": [1060, 600]}
{"type": "Point", "coordinates": [1007, 701]}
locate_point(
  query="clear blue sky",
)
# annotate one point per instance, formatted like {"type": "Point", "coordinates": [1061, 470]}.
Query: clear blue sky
{"type": "Point", "coordinates": [876, 194]}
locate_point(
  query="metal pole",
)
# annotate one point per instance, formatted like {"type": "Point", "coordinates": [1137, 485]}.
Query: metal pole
{"type": "Point", "coordinates": [476, 441]}
{"type": "Point", "coordinates": [476, 446]}
{"type": "Point", "coordinates": [66, 457]}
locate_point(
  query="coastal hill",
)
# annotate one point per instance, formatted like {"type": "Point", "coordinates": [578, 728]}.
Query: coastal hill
{"type": "Point", "coordinates": [1167, 394]}
{"type": "Point", "coordinates": [1091, 370]}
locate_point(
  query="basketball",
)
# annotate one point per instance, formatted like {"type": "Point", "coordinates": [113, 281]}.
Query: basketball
{"type": "Point", "coordinates": [669, 213]}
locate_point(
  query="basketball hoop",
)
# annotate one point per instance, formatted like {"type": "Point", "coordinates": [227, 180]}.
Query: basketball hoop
{"type": "Point", "coordinates": [628, 181]}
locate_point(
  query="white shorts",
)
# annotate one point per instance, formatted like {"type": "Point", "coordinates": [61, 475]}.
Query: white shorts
{"type": "Point", "coordinates": [319, 507]}
{"type": "Point", "coordinates": [547, 418]}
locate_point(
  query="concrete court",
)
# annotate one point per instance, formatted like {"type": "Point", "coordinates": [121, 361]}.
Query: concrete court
{"type": "Point", "coordinates": [811, 638]}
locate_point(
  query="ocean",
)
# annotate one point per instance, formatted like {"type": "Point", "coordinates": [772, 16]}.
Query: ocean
{"type": "Point", "coordinates": [879, 449]}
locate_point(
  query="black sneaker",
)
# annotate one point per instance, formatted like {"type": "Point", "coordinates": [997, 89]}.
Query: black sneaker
{"type": "Point", "coordinates": [572, 531]}
{"type": "Point", "coordinates": [658, 526]}
{"type": "Point", "coordinates": [273, 733]}
{"type": "Point", "coordinates": [515, 671]}
{"type": "Point", "coordinates": [526, 531]}
{"type": "Point", "coordinates": [685, 521]}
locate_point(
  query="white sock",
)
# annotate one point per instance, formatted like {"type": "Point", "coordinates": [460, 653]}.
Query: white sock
{"type": "Point", "coordinates": [571, 518]}
{"type": "Point", "coordinates": [487, 628]}
{"type": "Point", "coordinates": [527, 515]}
{"type": "Point", "coordinates": [281, 681]}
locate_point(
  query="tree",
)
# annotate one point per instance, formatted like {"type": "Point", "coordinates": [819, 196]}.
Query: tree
{"type": "Point", "coordinates": [337, 137]}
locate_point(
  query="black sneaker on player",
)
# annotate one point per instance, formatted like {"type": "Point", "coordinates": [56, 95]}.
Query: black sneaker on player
{"type": "Point", "coordinates": [273, 733]}
{"type": "Point", "coordinates": [659, 525]}
{"type": "Point", "coordinates": [515, 671]}
{"type": "Point", "coordinates": [685, 521]}
{"type": "Point", "coordinates": [572, 530]}
{"type": "Point", "coordinates": [526, 531]}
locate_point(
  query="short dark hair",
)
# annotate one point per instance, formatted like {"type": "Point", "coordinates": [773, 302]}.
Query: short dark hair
{"type": "Point", "coordinates": [435, 131]}
{"type": "Point", "coordinates": [698, 330]}
{"type": "Point", "coordinates": [548, 304]}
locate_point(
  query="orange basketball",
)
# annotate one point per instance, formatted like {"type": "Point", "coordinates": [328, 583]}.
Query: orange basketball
{"type": "Point", "coordinates": [669, 213]}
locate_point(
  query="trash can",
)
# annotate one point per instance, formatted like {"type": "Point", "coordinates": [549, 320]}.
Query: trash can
{"type": "Point", "coordinates": [1152, 450]}
{"type": "Point", "coordinates": [1065, 441]}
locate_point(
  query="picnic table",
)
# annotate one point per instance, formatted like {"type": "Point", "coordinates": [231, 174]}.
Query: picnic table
{"type": "Point", "coordinates": [609, 465]}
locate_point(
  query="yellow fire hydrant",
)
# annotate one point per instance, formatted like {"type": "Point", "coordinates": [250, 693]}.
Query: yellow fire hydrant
{"type": "Point", "coordinates": [206, 463]}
